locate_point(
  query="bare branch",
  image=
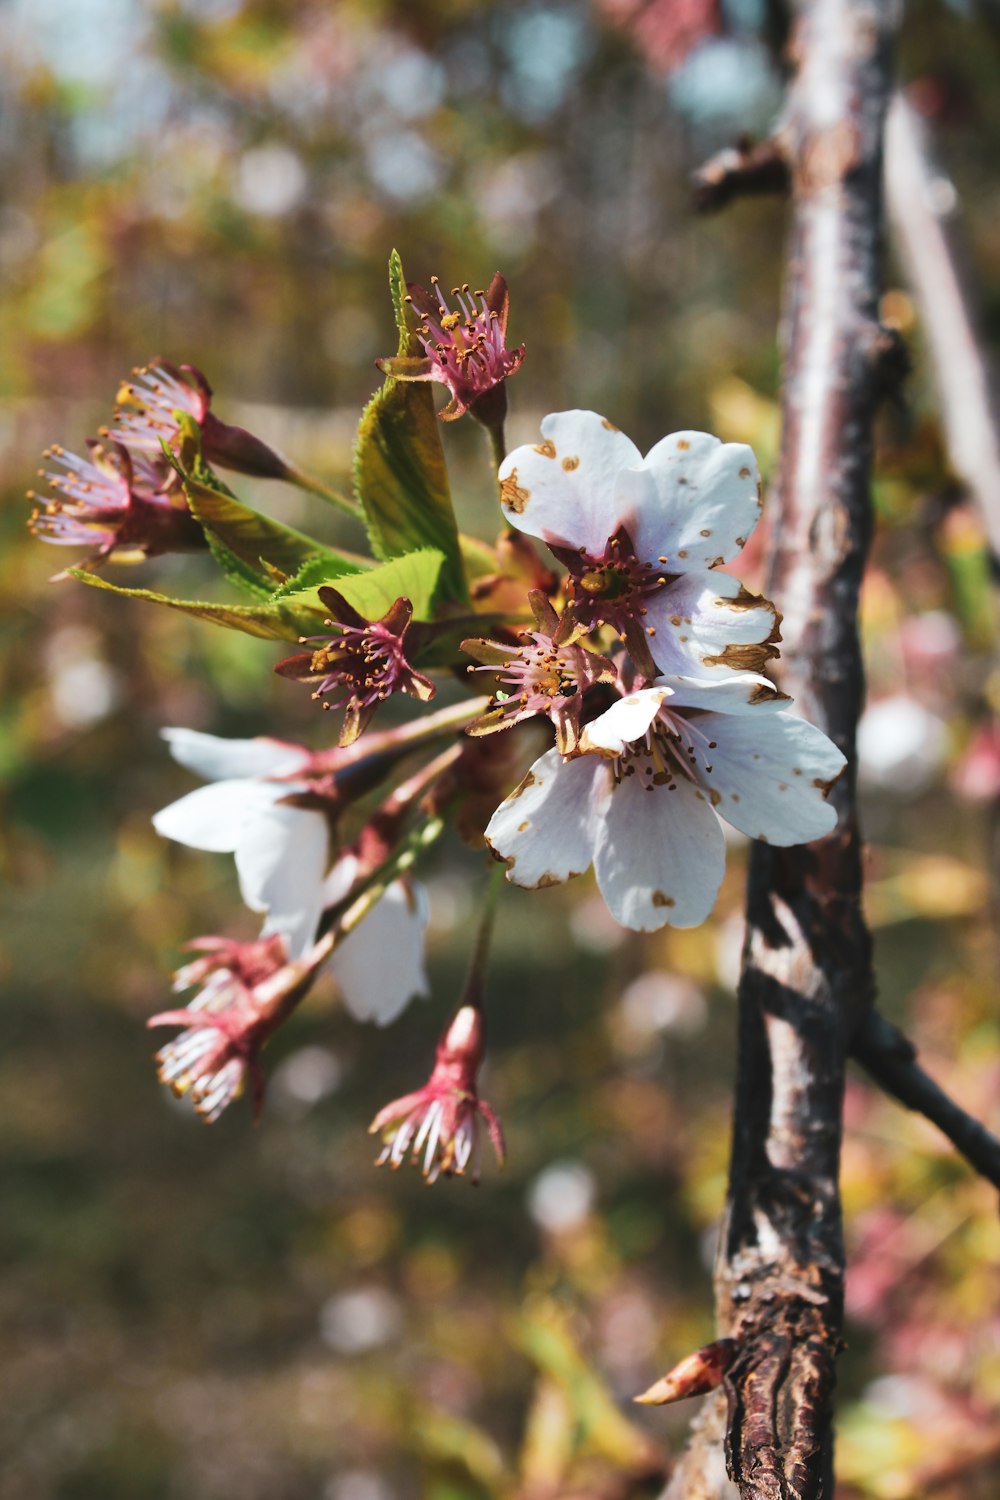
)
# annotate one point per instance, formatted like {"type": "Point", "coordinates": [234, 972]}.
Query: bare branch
{"type": "Point", "coordinates": [919, 201]}
{"type": "Point", "coordinates": [807, 977]}
{"type": "Point", "coordinates": [741, 171]}
{"type": "Point", "coordinates": [891, 1059]}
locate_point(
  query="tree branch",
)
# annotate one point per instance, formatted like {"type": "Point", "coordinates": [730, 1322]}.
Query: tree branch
{"type": "Point", "coordinates": [918, 200]}
{"type": "Point", "coordinates": [807, 976]}
{"type": "Point", "coordinates": [891, 1059]}
{"type": "Point", "coordinates": [742, 171]}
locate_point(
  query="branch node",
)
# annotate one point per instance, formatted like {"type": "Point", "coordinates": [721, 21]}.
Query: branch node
{"type": "Point", "coordinates": [741, 171]}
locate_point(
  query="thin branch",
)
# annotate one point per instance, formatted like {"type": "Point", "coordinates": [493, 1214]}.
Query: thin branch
{"type": "Point", "coordinates": [742, 171]}
{"type": "Point", "coordinates": [919, 201]}
{"type": "Point", "coordinates": [891, 1059]}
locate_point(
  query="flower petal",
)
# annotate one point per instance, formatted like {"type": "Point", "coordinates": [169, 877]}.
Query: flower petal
{"type": "Point", "coordinates": [707, 624]}
{"type": "Point", "coordinates": [770, 775]}
{"type": "Point", "coordinates": [217, 759]}
{"type": "Point", "coordinates": [735, 693]}
{"type": "Point", "coordinates": [563, 489]}
{"type": "Point", "coordinates": [281, 861]}
{"type": "Point", "coordinates": [624, 722]}
{"type": "Point", "coordinates": [214, 817]}
{"type": "Point", "coordinates": [546, 829]}
{"type": "Point", "coordinates": [379, 967]}
{"type": "Point", "coordinates": [660, 856]}
{"type": "Point", "coordinates": [696, 500]}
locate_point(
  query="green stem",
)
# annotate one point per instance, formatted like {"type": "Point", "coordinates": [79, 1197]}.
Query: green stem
{"type": "Point", "coordinates": [498, 444]}
{"type": "Point", "coordinates": [315, 486]}
{"type": "Point", "coordinates": [343, 919]}
{"type": "Point", "coordinates": [475, 984]}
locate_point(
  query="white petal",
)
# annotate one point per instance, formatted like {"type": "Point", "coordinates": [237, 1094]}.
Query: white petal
{"type": "Point", "coordinates": [342, 876]}
{"type": "Point", "coordinates": [216, 759]}
{"type": "Point", "coordinates": [706, 624]}
{"type": "Point", "coordinates": [735, 693]}
{"type": "Point", "coordinates": [546, 829]}
{"type": "Point", "coordinates": [380, 965]}
{"type": "Point", "coordinates": [661, 855]}
{"type": "Point", "coordinates": [770, 773]}
{"type": "Point", "coordinates": [281, 861]}
{"type": "Point", "coordinates": [625, 721]}
{"type": "Point", "coordinates": [213, 817]}
{"type": "Point", "coordinates": [564, 488]}
{"type": "Point", "coordinates": [696, 500]}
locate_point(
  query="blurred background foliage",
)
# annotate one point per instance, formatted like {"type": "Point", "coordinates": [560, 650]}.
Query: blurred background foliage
{"type": "Point", "coordinates": [191, 1312]}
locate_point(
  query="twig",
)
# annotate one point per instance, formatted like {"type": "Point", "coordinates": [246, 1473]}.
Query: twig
{"type": "Point", "coordinates": [918, 200]}
{"type": "Point", "coordinates": [891, 1059]}
{"type": "Point", "coordinates": [741, 171]}
{"type": "Point", "coordinates": [807, 976]}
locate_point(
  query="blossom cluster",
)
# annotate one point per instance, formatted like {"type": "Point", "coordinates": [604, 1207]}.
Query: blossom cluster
{"type": "Point", "coordinates": [606, 613]}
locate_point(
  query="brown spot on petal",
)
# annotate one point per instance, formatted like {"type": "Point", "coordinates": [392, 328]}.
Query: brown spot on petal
{"type": "Point", "coordinates": [683, 444]}
{"type": "Point", "coordinates": [660, 898]}
{"type": "Point", "coordinates": [570, 463]}
{"type": "Point", "coordinates": [546, 449]}
{"type": "Point", "coordinates": [521, 827]}
{"type": "Point", "coordinates": [681, 552]}
{"type": "Point", "coordinates": [609, 425]}
{"type": "Point", "coordinates": [715, 796]}
{"type": "Point", "coordinates": [749, 656]}
{"type": "Point", "coordinates": [706, 532]}
{"type": "Point", "coordinates": [545, 881]}
{"type": "Point", "coordinates": [745, 472]}
{"type": "Point", "coordinates": [529, 780]}
{"type": "Point", "coordinates": [675, 620]}
{"type": "Point", "coordinates": [514, 495]}
{"type": "Point", "coordinates": [741, 541]}
{"type": "Point", "coordinates": [824, 786]}
{"type": "Point", "coordinates": [766, 692]}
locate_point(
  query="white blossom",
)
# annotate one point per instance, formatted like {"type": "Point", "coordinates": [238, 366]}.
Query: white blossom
{"type": "Point", "coordinates": [643, 538]}
{"type": "Point", "coordinates": [642, 802]}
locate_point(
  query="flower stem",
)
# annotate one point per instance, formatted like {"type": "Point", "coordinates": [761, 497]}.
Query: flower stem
{"type": "Point", "coordinates": [402, 738]}
{"type": "Point", "coordinates": [498, 444]}
{"type": "Point", "coordinates": [315, 486]}
{"type": "Point", "coordinates": [475, 984]}
{"type": "Point", "coordinates": [412, 847]}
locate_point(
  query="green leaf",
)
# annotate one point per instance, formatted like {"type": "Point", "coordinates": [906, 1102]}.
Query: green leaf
{"type": "Point", "coordinates": [399, 468]}
{"type": "Point", "coordinates": [275, 620]}
{"type": "Point", "coordinates": [400, 307]}
{"type": "Point", "coordinates": [251, 540]}
{"type": "Point", "coordinates": [414, 577]}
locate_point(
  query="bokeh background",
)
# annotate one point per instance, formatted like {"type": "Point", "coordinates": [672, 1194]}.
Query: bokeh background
{"type": "Point", "coordinates": [191, 1313]}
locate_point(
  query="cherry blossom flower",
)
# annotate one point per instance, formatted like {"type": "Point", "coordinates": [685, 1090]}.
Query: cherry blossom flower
{"type": "Point", "coordinates": [146, 418]}
{"type": "Point", "coordinates": [465, 350]}
{"type": "Point", "coordinates": [441, 1121]}
{"type": "Point", "coordinates": [548, 674]}
{"type": "Point", "coordinates": [640, 801]}
{"type": "Point", "coordinates": [364, 664]}
{"type": "Point", "coordinates": [643, 539]}
{"type": "Point", "coordinates": [247, 991]}
{"type": "Point", "coordinates": [114, 503]}
{"type": "Point", "coordinates": [283, 851]}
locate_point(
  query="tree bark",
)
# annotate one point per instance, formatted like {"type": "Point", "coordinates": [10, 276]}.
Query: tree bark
{"type": "Point", "coordinates": [807, 977]}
